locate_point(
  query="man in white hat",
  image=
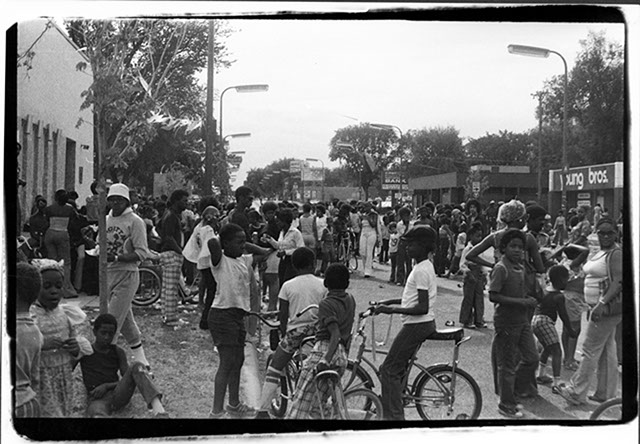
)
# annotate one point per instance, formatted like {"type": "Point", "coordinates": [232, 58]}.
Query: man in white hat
{"type": "Point", "coordinates": [126, 247]}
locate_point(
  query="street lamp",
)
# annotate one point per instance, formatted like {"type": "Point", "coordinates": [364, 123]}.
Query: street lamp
{"type": "Point", "coordinates": [384, 126]}
{"type": "Point", "coordinates": [309, 159]}
{"type": "Point", "coordinates": [235, 136]}
{"type": "Point", "coordinates": [240, 89]}
{"type": "Point", "coordinates": [534, 51]}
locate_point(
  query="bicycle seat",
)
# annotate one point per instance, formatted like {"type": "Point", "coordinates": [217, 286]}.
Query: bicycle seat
{"type": "Point", "coordinates": [447, 334]}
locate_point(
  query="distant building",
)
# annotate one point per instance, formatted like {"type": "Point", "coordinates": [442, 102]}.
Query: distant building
{"type": "Point", "coordinates": [56, 152]}
{"type": "Point", "coordinates": [505, 182]}
{"type": "Point", "coordinates": [589, 185]}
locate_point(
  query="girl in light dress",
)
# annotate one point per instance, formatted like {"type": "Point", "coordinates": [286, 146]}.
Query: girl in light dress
{"type": "Point", "coordinates": [62, 347]}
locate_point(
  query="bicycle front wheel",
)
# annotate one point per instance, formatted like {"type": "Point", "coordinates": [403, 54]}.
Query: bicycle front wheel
{"type": "Point", "coordinates": [610, 410]}
{"type": "Point", "coordinates": [149, 288]}
{"type": "Point", "coordinates": [363, 405]}
{"type": "Point", "coordinates": [352, 261]}
{"type": "Point", "coordinates": [435, 399]}
{"type": "Point", "coordinates": [356, 377]}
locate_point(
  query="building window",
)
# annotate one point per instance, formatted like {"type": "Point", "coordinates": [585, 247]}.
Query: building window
{"type": "Point", "coordinates": [80, 171]}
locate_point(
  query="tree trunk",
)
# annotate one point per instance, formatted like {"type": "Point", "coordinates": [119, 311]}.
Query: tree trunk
{"type": "Point", "coordinates": [103, 288]}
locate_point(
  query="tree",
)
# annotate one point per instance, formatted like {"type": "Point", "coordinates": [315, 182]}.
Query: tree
{"type": "Point", "coordinates": [143, 73]}
{"type": "Point", "coordinates": [504, 148]}
{"type": "Point", "coordinates": [434, 151]}
{"type": "Point", "coordinates": [364, 149]}
{"type": "Point", "coordinates": [595, 97]}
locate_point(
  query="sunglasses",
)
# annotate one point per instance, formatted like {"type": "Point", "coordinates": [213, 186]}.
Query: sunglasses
{"type": "Point", "coordinates": [606, 233]}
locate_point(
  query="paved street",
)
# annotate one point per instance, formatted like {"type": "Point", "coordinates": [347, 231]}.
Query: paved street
{"type": "Point", "coordinates": [474, 354]}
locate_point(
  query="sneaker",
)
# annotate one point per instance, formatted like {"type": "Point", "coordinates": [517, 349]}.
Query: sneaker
{"type": "Point", "coordinates": [220, 415]}
{"type": "Point", "coordinates": [573, 366]}
{"type": "Point", "coordinates": [399, 284]}
{"type": "Point", "coordinates": [568, 394]}
{"type": "Point", "coordinates": [241, 411]}
{"type": "Point", "coordinates": [510, 412]}
{"type": "Point", "coordinates": [469, 326]}
{"type": "Point", "coordinates": [594, 398]}
{"type": "Point", "coordinates": [482, 325]}
{"type": "Point", "coordinates": [555, 389]}
{"type": "Point", "coordinates": [544, 380]}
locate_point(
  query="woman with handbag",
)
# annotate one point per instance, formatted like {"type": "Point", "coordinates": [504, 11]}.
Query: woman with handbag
{"type": "Point", "coordinates": [603, 293]}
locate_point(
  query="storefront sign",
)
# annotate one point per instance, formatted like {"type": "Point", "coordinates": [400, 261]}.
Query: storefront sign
{"type": "Point", "coordinates": [595, 177]}
{"type": "Point", "coordinates": [392, 177]}
{"type": "Point", "coordinates": [584, 195]}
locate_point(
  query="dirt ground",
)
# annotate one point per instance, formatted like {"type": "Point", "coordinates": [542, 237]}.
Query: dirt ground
{"type": "Point", "coordinates": [182, 360]}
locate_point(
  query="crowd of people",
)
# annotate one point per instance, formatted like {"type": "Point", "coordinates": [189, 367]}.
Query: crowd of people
{"type": "Point", "coordinates": [281, 257]}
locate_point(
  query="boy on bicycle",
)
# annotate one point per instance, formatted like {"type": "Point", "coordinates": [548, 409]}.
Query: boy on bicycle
{"type": "Point", "coordinates": [418, 320]}
{"type": "Point", "coordinates": [333, 332]}
{"type": "Point", "coordinates": [295, 295]}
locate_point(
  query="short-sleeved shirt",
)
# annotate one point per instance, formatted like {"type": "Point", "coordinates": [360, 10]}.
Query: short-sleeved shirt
{"type": "Point", "coordinates": [394, 240]}
{"type": "Point", "coordinates": [300, 292]}
{"type": "Point", "coordinates": [508, 279]}
{"type": "Point", "coordinates": [290, 240]}
{"type": "Point", "coordinates": [100, 367]}
{"type": "Point", "coordinates": [339, 307]}
{"type": "Point", "coordinates": [233, 276]}
{"type": "Point", "coordinates": [422, 277]}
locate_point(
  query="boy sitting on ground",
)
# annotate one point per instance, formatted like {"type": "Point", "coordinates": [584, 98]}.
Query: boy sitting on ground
{"type": "Point", "coordinates": [107, 391]}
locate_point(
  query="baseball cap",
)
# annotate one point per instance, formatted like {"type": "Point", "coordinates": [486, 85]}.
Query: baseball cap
{"type": "Point", "coordinates": [119, 189]}
{"type": "Point", "coordinates": [420, 233]}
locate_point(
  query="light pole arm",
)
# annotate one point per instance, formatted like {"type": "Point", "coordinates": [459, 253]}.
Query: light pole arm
{"type": "Point", "coordinates": [221, 97]}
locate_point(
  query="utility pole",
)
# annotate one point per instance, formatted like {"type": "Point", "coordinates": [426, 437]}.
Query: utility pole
{"type": "Point", "coordinates": [210, 125]}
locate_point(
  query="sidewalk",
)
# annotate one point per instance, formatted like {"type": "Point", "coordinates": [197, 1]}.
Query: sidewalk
{"type": "Point", "coordinates": [84, 301]}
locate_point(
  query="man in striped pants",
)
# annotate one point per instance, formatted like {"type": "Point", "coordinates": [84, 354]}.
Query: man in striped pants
{"type": "Point", "coordinates": [171, 258]}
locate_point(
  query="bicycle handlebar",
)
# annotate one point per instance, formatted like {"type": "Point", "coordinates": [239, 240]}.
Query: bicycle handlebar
{"type": "Point", "coordinates": [263, 319]}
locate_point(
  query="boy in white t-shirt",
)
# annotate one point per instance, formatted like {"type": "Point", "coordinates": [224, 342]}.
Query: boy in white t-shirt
{"type": "Point", "coordinates": [295, 295]}
{"type": "Point", "coordinates": [418, 319]}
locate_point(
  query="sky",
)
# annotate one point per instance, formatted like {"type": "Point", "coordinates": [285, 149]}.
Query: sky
{"type": "Point", "coordinates": [325, 75]}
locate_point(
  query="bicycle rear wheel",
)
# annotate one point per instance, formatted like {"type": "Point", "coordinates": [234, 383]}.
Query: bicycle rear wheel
{"type": "Point", "coordinates": [610, 410]}
{"type": "Point", "coordinates": [434, 399]}
{"type": "Point", "coordinates": [149, 288]}
{"type": "Point", "coordinates": [363, 405]}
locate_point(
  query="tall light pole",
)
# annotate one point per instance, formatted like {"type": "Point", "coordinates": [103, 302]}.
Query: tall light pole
{"type": "Point", "coordinates": [384, 126]}
{"type": "Point", "coordinates": [319, 160]}
{"type": "Point", "coordinates": [240, 89]}
{"type": "Point", "coordinates": [539, 94]}
{"type": "Point", "coordinates": [534, 51]}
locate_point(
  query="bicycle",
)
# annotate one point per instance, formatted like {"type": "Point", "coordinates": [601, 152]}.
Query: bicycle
{"type": "Point", "coordinates": [610, 410]}
{"type": "Point", "coordinates": [346, 252]}
{"type": "Point", "coordinates": [360, 403]}
{"type": "Point", "coordinates": [150, 287]}
{"type": "Point", "coordinates": [440, 391]}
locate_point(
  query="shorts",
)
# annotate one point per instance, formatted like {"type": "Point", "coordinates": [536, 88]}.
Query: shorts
{"type": "Point", "coordinates": [545, 330]}
{"type": "Point", "coordinates": [293, 338]}
{"type": "Point", "coordinates": [227, 326]}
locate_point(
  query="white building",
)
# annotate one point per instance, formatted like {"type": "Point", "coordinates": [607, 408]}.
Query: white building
{"type": "Point", "coordinates": [56, 152]}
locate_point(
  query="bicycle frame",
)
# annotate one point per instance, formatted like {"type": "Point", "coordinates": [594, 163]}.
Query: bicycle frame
{"type": "Point", "coordinates": [408, 392]}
